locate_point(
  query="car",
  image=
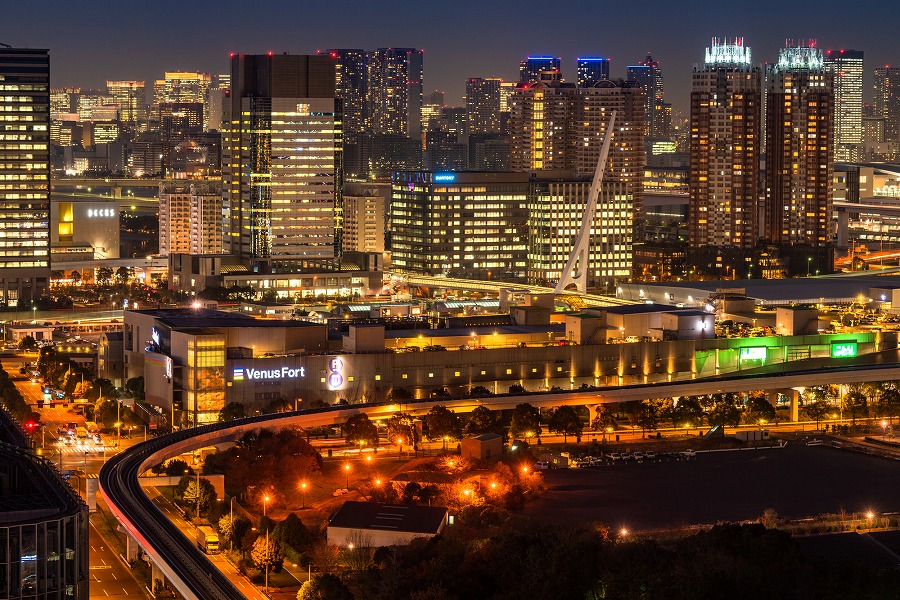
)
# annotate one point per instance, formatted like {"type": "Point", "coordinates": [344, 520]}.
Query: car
{"type": "Point", "coordinates": [614, 456]}
{"type": "Point", "coordinates": [541, 465]}
{"type": "Point", "coordinates": [688, 453]}
{"type": "Point", "coordinates": [650, 455]}
{"type": "Point", "coordinates": [638, 456]}
{"type": "Point", "coordinates": [627, 456]}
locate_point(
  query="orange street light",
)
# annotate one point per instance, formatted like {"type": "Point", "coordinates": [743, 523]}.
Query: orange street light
{"type": "Point", "coordinates": [303, 494]}
{"type": "Point", "coordinates": [347, 472]}
{"type": "Point", "coordinates": [265, 503]}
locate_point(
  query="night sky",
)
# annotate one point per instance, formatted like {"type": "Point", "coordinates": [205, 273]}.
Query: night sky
{"type": "Point", "coordinates": [95, 40]}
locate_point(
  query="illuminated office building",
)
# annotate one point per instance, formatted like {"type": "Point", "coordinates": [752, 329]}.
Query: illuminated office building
{"type": "Point", "coordinates": [536, 68]}
{"type": "Point", "coordinates": [63, 100]}
{"type": "Point", "coordinates": [483, 105]}
{"type": "Point", "coordinates": [218, 90]}
{"type": "Point", "coordinates": [395, 91]}
{"type": "Point", "coordinates": [555, 211]}
{"type": "Point", "coordinates": [886, 101]}
{"type": "Point", "coordinates": [282, 161]}
{"type": "Point", "coordinates": [350, 85]}
{"type": "Point", "coordinates": [724, 148]}
{"type": "Point", "coordinates": [846, 67]}
{"type": "Point", "coordinates": [24, 174]}
{"type": "Point", "coordinates": [592, 70]}
{"type": "Point", "coordinates": [799, 150]}
{"type": "Point", "coordinates": [183, 88]}
{"type": "Point", "coordinates": [190, 218]}
{"type": "Point", "coordinates": [364, 219]}
{"type": "Point", "coordinates": [129, 95]}
{"type": "Point", "coordinates": [432, 109]}
{"type": "Point", "coordinates": [657, 113]}
{"type": "Point", "coordinates": [87, 101]}
{"type": "Point", "coordinates": [471, 225]}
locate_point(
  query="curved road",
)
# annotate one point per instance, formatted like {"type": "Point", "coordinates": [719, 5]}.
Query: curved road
{"type": "Point", "coordinates": [191, 572]}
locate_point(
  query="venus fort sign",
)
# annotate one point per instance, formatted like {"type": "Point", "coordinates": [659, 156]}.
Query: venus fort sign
{"type": "Point", "coordinates": [240, 374]}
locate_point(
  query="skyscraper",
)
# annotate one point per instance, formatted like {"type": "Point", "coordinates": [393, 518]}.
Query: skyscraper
{"type": "Point", "coordinates": [592, 70]}
{"type": "Point", "coordinates": [656, 119]}
{"type": "Point", "coordinates": [799, 149]}
{"type": "Point", "coordinates": [351, 87]}
{"type": "Point", "coordinates": [25, 173]}
{"type": "Point", "coordinates": [532, 68]}
{"type": "Point", "coordinates": [282, 161]}
{"type": "Point", "coordinates": [724, 148]}
{"type": "Point", "coordinates": [395, 91]}
{"type": "Point", "coordinates": [129, 95]}
{"type": "Point", "coordinates": [887, 100]}
{"type": "Point", "coordinates": [483, 105]}
{"type": "Point", "coordinates": [846, 67]}
{"type": "Point", "coordinates": [181, 87]}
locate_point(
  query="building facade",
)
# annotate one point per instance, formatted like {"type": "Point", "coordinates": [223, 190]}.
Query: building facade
{"type": "Point", "coordinates": [24, 175]}
{"type": "Point", "coordinates": [129, 95]}
{"type": "Point", "coordinates": [483, 105]}
{"type": "Point", "coordinates": [364, 219]}
{"type": "Point", "coordinates": [190, 218]}
{"type": "Point", "coordinates": [84, 229]}
{"type": "Point", "coordinates": [351, 86]}
{"type": "Point", "coordinates": [592, 70]}
{"type": "Point", "coordinates": [724, 148]}
{"type": "Point", "coordinates": [282, 161]}
{"type": "Point", "coordinates": [536, 68]}
{"type": "Point", "coordinates": [657, 117]}
{"type": "Point", "coordinates": [395, 91]}
{"type": "Point", "coordinates": [886, 101]}
{"type": "Point", "coordinates": [846, 68]}
{"type": "Point", "coordinates": [799, 149]}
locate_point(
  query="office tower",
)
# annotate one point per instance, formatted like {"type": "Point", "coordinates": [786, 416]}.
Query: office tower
{"type": "Point", "coordinates": [63, 101]}
{"type": "Point", "coordinates": [25, 173]}
{"type": "Point", "coordinates": [129, 95]}
{"type": "Point", "coordinates": [799, 149]}
{"type": "Point", "coordinates": [282, 161]}
{"type": "Point", "coordinates": [86, 102]}
{"type": "Point", "coordinates": [507, 89]}
{"type": "Point", "coordinates": [887, 100]}
{"type": "Point", "coordinates": [556, 207]}
{"type": "Point", "coordinates": [431, 114]}
{"type": "Point", "coordinates": [483, 105]}
{"type": "Point", "coordinates": [592, 70]}
{"type": "Point", "coordinates": [536, 68]}
{"type": "Point", "coordinates": [182, 88]}
{"type": "Point", "coordinates": [724, 151]}
{"type": "Point", "coordinates": [561, 126]}
{"type": "Point", "coordinates": [350, 86]}
{"type": "Point", "coordinates": [218, 89]}
{"type": "Point", "coordinates": [471, 225]}
{"type": "Point", "coordinates": [364, 219]}
{"type": "Point", "coordinates": [395, 91]}
{"type": "Point", "coordinates": [657, 113]}
{"type": "Point", "coordinates": [190, 218]}
{"type": "Point", "coordinates": [846, 67]}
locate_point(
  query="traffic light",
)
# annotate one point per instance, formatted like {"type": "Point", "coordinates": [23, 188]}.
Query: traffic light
{"type": "Point", "coordinates": [30, 425]}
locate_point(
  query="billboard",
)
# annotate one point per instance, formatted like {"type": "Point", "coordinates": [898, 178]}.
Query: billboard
{"type": "Point", "coordinates": [754, 353]}
{"type": "Point", "coordinates": [843, 349]}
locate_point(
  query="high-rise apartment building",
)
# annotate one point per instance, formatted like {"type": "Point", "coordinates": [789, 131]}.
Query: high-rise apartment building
{"type": "Point", "coordinates": [724, 148]}
{"type": "Point", "coordinates": [24, 174]}
{"type": "Point", "coordinates": [657, 114]}
{"type": "Point", "coordinates": [846, 67]}
{"type": "Point", "coordinates": [561, 126]}
{"type": "Point", "coordinates": [886, 101]}
{"type": "Point", "coordinates": [129, 95]}
{"type": "Point", "coordinates": [190, 218]}
{"type": "Point", "coordinates": [281, 161]}
{"type": "Point", "coordinates": [364, 219]}
{"type": "Point", "coordinates": [351, 86]}
{"type": "Point", "coordinates": [799, 149]}
{"type": "Point", "coordinates": [483, 105]}
{"type": "Point", "coordinates": [395, 91]}
{"type": "Point", "coordinates": [536, 68]}
{"type": "Point", "coordinates": [218, 90]}
{"type": "Point", "coordinates": [592, 70]}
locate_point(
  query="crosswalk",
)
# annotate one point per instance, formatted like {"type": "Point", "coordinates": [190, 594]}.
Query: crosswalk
{"type": "Point", "coordinates": [76, 451]}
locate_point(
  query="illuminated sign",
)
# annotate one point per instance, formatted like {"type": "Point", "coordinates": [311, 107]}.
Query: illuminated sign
{"type": "Point", "coordinates": [335, 375]}
{"type": "Point", "coordinates": [154, 335]}
{"type": "Point", "coordinates": [444, 177]}
{"type": "Point", "coordinates": [755, 353]}
{"type": "Point", "coordinates": [843, 349]}
{"type": "Point", "coordinates": [240, 374]}
{"type": "Point", "coordinates": [101, 212]}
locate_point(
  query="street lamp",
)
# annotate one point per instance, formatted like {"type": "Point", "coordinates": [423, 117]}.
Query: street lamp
{"type": "Point", "coordinates": [265, 502]}
{"type": "Point", "coordinates": [33, 312]}
{"type": "Point", "coordinates": [399, 447]}
{"type": "Point", "coordinates": [808, 263]}
{"type": "Point", "coordinates": [303, 494]}
{"type": "Point", "coordinates": [884, 425]}
{"type": "Point", "coordinates": [347, 473]}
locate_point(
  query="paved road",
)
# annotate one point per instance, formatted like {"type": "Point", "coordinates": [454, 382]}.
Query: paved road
{"type": "Point", "coordinates": [110, 577]}
{"type": "Point", "coordinates": [797, 481]}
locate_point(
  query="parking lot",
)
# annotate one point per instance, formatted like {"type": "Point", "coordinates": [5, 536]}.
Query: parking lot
{"type": "Point", "coordinates": [796, 481]}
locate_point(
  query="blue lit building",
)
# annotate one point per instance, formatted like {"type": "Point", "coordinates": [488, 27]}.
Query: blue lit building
{"type": "Point", "coordinates": [592, 70]}
{"type": "Point", "coordinates": [532, 67]}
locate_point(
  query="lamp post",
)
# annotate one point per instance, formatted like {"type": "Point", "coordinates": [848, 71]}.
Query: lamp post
{"type": "Point", "coordinates": [232, 524]}
{"type": "Point", "coordinates": [265, 502]}
{"type": "Point", "coordinates": [267, 561]}
{"type": "Point", "coordinates": [303, 495]}
{"type": "Point", "coordinates": [347, 473]}
{"type": "Point", "coordinates": [808, 264]}
{"type": "Point", "coordinates": [399, 447]}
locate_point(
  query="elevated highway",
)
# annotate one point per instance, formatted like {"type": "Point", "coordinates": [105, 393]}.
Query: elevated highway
{"type": "Point", "coordinates": [186, 568]}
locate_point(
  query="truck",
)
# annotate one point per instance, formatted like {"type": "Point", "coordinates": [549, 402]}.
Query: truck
{"type": "Point", "coordinates": [207, 539]}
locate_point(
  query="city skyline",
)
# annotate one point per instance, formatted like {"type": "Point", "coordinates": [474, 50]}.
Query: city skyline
{"type": "Point", "coordinates": [91, 45]}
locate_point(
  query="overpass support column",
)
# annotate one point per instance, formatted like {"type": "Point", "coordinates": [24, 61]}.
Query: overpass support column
{"type": "Point", "coordinates": [116, 191]}
{"type": "Point", "coordinates": [843, 229]}
{"type": "Point", "coordinates": [156, 573]}
{"type": "Point", "coordinates": [794, 395]}
{"type": "Point", "coordinates": [131, 548]}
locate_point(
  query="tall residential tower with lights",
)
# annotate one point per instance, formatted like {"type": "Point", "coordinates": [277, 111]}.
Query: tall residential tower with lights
{"type": "Point", "coordinates": [846, 67]}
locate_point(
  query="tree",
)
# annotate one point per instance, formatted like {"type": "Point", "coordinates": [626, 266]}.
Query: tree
{"type": "Point", "coordinates": [687, 411]}
{"type": "Point", "coordinates": [232, 410]}
{"type": "Point", "coordinates": [324, 586]}
{"type": "Point", "coordinates": [135, 387]}
{"type": "Point", "coordinates": [479, 391]}
{"type": "Point", "coordinates": [207, 493]}
{"type": "Point", "coordinates": [817, 410]}
{"type": "Point", "coordinates": [176, 468]}
{"type": "Point", "coordinates": [516, 389]}
{"type": "Point", "coordinates": [889, 404]}
{"type": "Point", "coordinates": [564, 420]}
{"type": "Point", "coordinates": [758, 410]}
{"type": "Point", "coordinates": [483, 420]}
{"type": "Point", "coordinates": [106, 411]}
{"type": "Point", "coordinates": [104, 275]}
{"type": "Point", "coordinates": [124, 274]}
{"type": "Point", "coordinates": [441, 423]}
{"type": "Point", "coordinates": [233, 530]}
{"type": "Point", "coordinates": [359, 430]}
{"type": "Point", "coordinates": [399, 394]}
{"type": "Point", "coordinates": [292, 532]}
{"type": "Point", "coordinates": [604, 418]}
{"type": "Point", "coordinates": [724, 410]}
{"type": "Point", "coordinates": [526, 421]}
{"type": "Point", "coordinates": [76, 277]}
{"type": "Point", "coordinates": [27, 343]}
{"type": "Point", "coordinates": [266, 553]}
{"type": "Point", "coordinates": [102, 388]}
{"type": "Point", "coordinates": [402, 427]}
{"type": "Point", "coordinates": [856, 404]}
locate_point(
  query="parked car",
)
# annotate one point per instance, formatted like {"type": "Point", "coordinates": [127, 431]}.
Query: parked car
{"type": "Point", "coordinates": [650, 455]}
{"type": "Point", "coordinates": [638, 456]}
{"type": "Point", "coordinates": [689, 453]}
{"type": "Point", "coordinates": [541, 465]}
{"type": "Point", "coordinates": [614, 456]}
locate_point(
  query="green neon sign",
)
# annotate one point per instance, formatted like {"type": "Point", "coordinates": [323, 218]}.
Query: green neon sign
{"type": "Point", "coordinates": [754, 353]}
{"type": "Point", "coordinates": [843, 349]}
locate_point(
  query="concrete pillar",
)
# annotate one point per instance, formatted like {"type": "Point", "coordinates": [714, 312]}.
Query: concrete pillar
{"type": "Point", "coordinates": [131, 548]}
{"type": "Point", "coordinates": [155, 573]}
{"type": "Point", "coordinates": [772, 398]}
{"type": "Point", "coordinates": [794, 395]}
{"type": "Point", "coordinates": [843, 230]}
{"type": "Point", "coordinates": [116, 191]}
